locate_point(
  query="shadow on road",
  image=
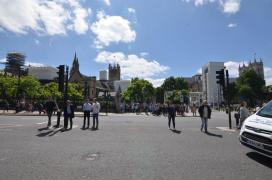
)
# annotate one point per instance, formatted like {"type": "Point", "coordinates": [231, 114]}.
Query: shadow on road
{"type": "Point", "coordinates": [176, 131]}
{"type": "Point", "coordinates": [266, 161]}
{"type": "Point", "coordinates": [42, 129]}
{"type": "Point", "coordinates": [42, 134]}
{"type": "Point", "coordinates": [50, 132]}
{"type": "Point", "coordinates": [215, 135]}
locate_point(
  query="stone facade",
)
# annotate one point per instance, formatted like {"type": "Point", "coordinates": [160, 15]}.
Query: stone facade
{"type": "Point", "coordinates": [114, 72]}
{"type": "Point", "coordinates": [256, 66]}
{"type": "Point", "coordinates": [77, 77]}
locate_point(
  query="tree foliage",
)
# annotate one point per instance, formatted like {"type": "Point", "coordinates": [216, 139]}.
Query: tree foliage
{"type": "Point", "coordinates": [250, 86]}
{"type": "Point", "coordinates": [31, 88]}
{"type": "Point", "coordinates": [172, 83]}
{"type": "Point", "coordinates": [140, 90]}
{"type": "Point", "coordinates": [14, 63]}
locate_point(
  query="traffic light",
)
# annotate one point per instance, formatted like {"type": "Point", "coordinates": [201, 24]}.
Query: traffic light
{"type": "Point", "coordinates": [220, 76]}
{"type": "Point", "coordinates": [61, 77]}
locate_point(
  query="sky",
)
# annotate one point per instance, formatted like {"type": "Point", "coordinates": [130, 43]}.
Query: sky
{"type": "Point", "coordinates": [151, 39]}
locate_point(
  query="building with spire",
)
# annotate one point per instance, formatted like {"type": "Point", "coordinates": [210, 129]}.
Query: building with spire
{"type": "Point", "coordinates": [255, 65]}
{"type": "Point", "coordinates": [89, 82]}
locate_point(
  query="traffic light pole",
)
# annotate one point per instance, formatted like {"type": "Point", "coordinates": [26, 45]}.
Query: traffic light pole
{"type": "Point", "coordinates": [66, 84]}
{"type": "Point", "coordinates": [228, 99]}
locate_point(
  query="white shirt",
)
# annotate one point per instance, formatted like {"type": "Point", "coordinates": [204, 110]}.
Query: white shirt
{"type": "Point", "coordinates": [87, 107]}
{"type": "Point", "coordinates": [96, 107]}
{"type": "Point", "coordinates": [205, 112]}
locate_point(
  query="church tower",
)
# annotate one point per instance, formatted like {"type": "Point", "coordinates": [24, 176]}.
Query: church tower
{"type": "Point", "coordinates": [75, 67]}
{"type": "Point", "coordinates": [114, 72]}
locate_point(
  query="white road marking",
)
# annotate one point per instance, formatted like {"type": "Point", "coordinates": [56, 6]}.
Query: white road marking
{"type": "Point", "coordinates": [2, 126]}
{"type": "Point", "coordinates": [45, 122]}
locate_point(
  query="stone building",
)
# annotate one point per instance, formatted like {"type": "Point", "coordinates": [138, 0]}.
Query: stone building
{"type": "Point", "coordinates": [77, 77]}
{"type": "Point", "coordinates": [114, 72]}
{"type": "Point", "coordinates": [256, 66]}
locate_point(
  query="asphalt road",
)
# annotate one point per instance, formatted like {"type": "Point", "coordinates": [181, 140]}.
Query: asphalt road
{"type": "Point", "coordinates": [132, 147]}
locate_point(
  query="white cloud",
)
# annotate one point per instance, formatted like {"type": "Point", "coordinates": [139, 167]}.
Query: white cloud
{"type": "Point", "coordinates": [107, 2]}
{"type": "Point", "coordinates": [44, 17]}
{"type": "Point", "coordinates": [132, 65]}
{"type": "Point", "coordinates": [34, 64]}
{"type": "Point", "coordinates": [268, 75]}
{"type": "Point", "coordinates": [110, 29]}
{"type": "Point", "coordinates": [232, 25]}
{"type": "Point", "coordinates": [156, 82]}
{"type": "Point", "coordinates": [233, 66]}
{"type": "Point", "coordinates": [3, 60]}
{"type": "Point", "coordinates": [228, 6]}
{"type": "Point", "coordinates": [131, 10]}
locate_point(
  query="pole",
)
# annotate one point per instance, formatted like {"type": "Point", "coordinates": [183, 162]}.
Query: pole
{"type": "Point", "coordinates": [66, 84]}
{"type": "Point", "coordinates": [107, 102]}
{"type": "Point", "coordinates": [228, 99]}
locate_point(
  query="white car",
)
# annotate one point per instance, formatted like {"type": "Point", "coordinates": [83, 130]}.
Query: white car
{"type": "Point", "coordinates": [256, 131]}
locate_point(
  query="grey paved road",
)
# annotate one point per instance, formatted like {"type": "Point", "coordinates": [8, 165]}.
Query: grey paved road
{"type": "Point", "coordinates": [126, 147]}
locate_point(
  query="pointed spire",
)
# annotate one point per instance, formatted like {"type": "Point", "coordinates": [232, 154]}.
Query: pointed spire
{"type": "Point", "coordinates": [75, 57]}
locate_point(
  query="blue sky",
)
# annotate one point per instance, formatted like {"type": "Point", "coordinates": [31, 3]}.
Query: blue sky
{"type": "Point", "coordinates": [151, 39]}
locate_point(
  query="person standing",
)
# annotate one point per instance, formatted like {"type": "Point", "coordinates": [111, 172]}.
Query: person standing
{"type": "Point", "coordinates": [171, 115]}
{"type": "Point", "coordinates": [96, 109]}
{"type": "Point", "coordinates": [87, 108]}
{"type": "Point", "coordinates": [49, 108]}
{"type": "Point", "coordinates": [205, 114]}
{"type": "Point", "coordinates": [244, 113]}
{"type": "Point", "coordinates": [194, 109]}
{"type": "Point", "coordinates": [68, 114]}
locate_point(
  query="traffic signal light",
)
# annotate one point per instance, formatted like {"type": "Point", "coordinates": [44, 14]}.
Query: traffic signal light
{"type": "Point", "coordinates": [61, 77]}
{"type": "Point", "coordinates": [220, 76]}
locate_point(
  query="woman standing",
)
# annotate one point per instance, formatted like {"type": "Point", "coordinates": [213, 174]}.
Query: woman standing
{"type": "Point", "coordinates": [244, 113]}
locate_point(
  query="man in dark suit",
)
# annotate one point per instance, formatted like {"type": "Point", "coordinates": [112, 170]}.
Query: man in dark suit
{"type": "Point", "coordinates": [68, 114]}
{"type": "Point", "coordinates": [205, 114]}
{"type": "Point", "coordinates": [171, 115]}
{"type": "Point", "coordinates": [49, 107]}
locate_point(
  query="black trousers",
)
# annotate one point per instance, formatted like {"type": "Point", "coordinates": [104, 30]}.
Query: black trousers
{"type": "Point", "coordinates": [66, 118]}
{"type": "Point", "coordinates": [173, 121]}
{"type": "Point", "coordinates": [86, 116]}
{"type": "Point", "coordinates": [58, 118]}
{"type": "Point", "coordinates": [95, 119]}
{"type": "Point", "coordinates": [49, 114]}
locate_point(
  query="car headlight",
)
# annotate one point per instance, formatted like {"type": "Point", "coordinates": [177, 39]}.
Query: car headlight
{"type": "Point", "coordinates": [243, 126]}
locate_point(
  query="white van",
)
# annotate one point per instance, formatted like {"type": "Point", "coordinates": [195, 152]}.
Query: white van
{"type": "Point", "coordinates": [256, 131]}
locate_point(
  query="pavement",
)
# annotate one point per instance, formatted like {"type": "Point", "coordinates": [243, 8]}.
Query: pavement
{"type": "Point", "coordinates": [126, 147]}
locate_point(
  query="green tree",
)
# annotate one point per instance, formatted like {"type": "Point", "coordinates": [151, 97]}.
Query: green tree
{"type": "Point", "coordinates": [159, 94]}
{"type": "Point", "coordinates": [8, 86]}
{"type": "Point", "coordinates": [140, 90]}
{"type": "Point", "coordinates": [172, 83]}
{"type": "Point", "coordinates": [14, 63]}
{"type": "Point", "coordinates": [177, 84]}
{"type": "Point", "coordinates": [75, 92]}
{"type": "Point", "coordinates": [251, 86]}
{"type": "Point", "coordinates": [50, 90]}
{"type": "Point", "coordinates": [30, 87]}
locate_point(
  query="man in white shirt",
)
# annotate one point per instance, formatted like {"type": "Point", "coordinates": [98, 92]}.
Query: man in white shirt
{"type": "Point", "coordinates": [96, 109]}
{"type": "Point", "coordinates": [87, 108]}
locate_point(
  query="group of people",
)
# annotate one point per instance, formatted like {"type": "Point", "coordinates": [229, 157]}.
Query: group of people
{"type": "Point", "coordinates": [69, 113]}
{"type": "Point", "coordinates": [204, 112]}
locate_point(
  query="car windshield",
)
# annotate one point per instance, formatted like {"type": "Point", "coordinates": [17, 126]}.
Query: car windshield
{"type": "Point", "coordinates": [266, 111]}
